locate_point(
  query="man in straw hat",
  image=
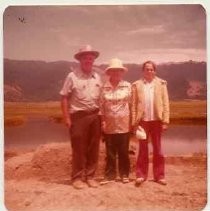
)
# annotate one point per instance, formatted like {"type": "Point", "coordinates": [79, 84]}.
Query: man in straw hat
{"type": "Point", "coordinates": [80, 106]}
{"type": "Point", "coordinates": [115, 110]}
{"type": "Point", "coordinates": [150, 110]}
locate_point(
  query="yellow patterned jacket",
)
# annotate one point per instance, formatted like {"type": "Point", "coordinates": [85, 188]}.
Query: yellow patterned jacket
{"type": "Point", "coordinates": [115, 107]}
{"type": "Point", "coordinates": [161, 101]}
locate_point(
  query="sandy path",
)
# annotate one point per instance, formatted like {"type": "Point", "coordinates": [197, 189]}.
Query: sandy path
{"type": "Point", "coordinates": [38, 182]}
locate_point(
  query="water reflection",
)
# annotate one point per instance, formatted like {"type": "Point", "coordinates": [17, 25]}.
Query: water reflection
{"type": "Point", "coordinates": [177, 140]}
{"type": "Point", "coordinates": [185, 139]}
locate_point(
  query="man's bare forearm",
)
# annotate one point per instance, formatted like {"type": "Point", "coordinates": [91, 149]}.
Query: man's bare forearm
{"type": "Point", "coordinates": [65, 110]}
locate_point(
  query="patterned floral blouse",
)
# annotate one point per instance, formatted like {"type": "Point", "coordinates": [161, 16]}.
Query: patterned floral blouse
{"type": "Point", "coordinates": [115, 107]}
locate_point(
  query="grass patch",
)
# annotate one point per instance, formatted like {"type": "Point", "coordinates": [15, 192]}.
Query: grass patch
{"type": "Point", "coordinates": [57, 119]}
{"type": "Point", "coordinates": [16, 113]}
{"type": "Point", "coordinates": [188, 112]}
{"type": "Point", "coordinates": [189, 121]}
{"type": "Point", "coordinates": [14, 121]}
{"type": "Point", "coordinates": [181, 112]}
{"type": "Point", "coordinates": [29, 109]}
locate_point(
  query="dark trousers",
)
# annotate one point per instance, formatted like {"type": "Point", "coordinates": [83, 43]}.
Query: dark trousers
{"type": "Point", "coordinates": [153, 129]}
{"type": "Point", "coordinates": [85, 138]}
{"type": "Point", "coordinates": [117, 145]}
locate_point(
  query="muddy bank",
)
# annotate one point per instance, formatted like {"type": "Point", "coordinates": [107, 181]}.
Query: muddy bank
{"type": "Point", "coordinates": [40, 180]}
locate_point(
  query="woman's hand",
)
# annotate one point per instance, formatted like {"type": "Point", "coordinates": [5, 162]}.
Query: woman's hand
{"type": "Point", "coordinates": [134, 128]}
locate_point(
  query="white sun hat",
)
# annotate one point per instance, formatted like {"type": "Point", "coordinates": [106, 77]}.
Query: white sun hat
{"type": "Point", "coordinates": [87, 49]}
{"type": "Point", "coordinates": [140, 133]}
{"type": "Point", "coordinates": [116, 64]}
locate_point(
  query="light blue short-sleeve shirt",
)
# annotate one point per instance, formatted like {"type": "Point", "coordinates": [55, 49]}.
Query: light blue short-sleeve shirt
{"type": "Point", "coordinates": [83, 91]}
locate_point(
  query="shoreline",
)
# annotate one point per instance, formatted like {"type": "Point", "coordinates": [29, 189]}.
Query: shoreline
{"type": "Point", "coordinates": [20, 120]}
{"type": "Point", "coordinates": [189, 112]}
{"type": "Point", "coordinates": [185, 157]}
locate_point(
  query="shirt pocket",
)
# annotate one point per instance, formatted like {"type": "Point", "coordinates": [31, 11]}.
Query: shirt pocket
{"type": "Point", "coordinates": [95, 90]}
{"type": "Point", "coordinates": [81, 91]}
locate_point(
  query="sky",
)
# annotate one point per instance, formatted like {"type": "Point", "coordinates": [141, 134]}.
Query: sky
{"type": "Point", "coordinates": [132, 33]}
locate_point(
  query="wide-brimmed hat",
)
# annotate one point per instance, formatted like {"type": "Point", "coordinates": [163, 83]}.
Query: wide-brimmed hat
{"type": "Point", "coordinates": [87, 49]}
{"type": "Point", "coordinates": [116, 64]}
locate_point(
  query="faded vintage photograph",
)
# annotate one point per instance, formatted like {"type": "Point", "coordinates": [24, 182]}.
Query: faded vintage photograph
{"type": "Point", "coordinates": [105, 107]}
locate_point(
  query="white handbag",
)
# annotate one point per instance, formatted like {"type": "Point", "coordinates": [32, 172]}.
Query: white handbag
{"type": "Point", "coordinates": [140, 133]}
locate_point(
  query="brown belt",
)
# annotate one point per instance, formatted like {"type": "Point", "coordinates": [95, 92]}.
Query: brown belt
{"type": "Point", "coordinates": [85, 112]}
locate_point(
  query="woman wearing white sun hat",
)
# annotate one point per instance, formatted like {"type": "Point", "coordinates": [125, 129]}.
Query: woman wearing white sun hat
{"type": "Point", "coordinates": [115, 110]}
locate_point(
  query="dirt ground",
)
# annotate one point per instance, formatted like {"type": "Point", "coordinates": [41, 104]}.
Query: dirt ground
{"type": "Point", "coordinates": [39, 180]}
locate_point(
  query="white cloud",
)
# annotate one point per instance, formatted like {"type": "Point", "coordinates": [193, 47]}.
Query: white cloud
{"type": "Point", "coordinates": [158, 29]}
{"type": "Point", "coordinates": [128, 32]}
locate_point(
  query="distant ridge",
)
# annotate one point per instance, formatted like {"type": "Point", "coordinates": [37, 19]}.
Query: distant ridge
{"type": "Point", "coordinates": [41, 81]}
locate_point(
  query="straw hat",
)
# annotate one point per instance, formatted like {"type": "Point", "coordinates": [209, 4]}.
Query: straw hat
{"type": "Point", "coordinates": [116, 64]}
{"type": "Point", "coordinates": [87, 49]}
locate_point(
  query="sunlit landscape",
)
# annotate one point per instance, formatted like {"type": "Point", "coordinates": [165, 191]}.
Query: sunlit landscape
{"type": "Point", "coordinates": [182, 112]}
